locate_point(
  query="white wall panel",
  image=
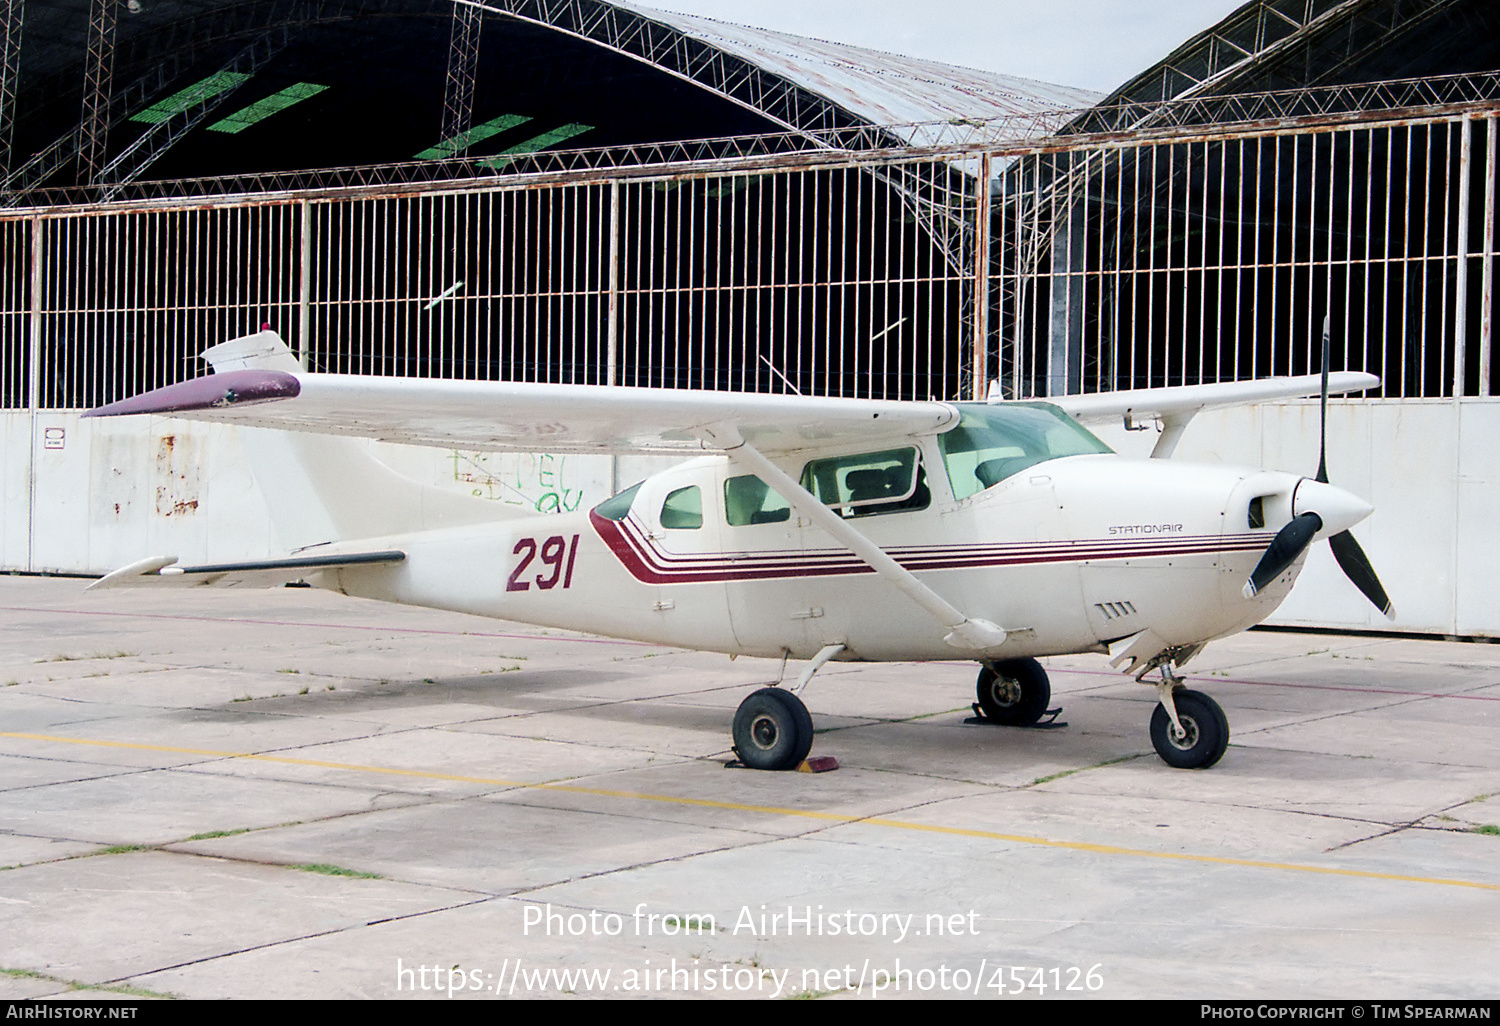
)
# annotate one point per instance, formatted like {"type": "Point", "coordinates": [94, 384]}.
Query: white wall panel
{"type": "Point", "coordinates": [1477, 597]}
{"type": "Point", "coordinates": [122, 489]}
{"type": "Point", "coordinates": [15, 490]}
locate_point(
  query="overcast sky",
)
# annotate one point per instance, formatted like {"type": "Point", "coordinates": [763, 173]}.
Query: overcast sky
{"type": "Point", "coordinates": [1097, 44]}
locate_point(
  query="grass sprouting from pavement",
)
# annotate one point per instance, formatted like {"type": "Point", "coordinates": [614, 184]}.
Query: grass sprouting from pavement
{"type": "Point", "coordinates": [327, 870]}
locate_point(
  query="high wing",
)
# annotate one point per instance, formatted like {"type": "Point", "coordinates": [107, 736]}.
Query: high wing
{"type": "Point", "coordinates": [258, 383]}
{"type": "Point", "coordinates": [1187, 400]}
{"type": "Point", "coordinates": [1175, 407]}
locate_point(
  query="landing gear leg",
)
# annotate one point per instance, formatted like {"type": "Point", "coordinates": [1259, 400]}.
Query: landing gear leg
{"type": "Point", "coordinates": [1188, 729]}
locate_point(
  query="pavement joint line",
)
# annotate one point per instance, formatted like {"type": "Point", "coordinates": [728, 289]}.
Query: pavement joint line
{"type": "Point", "coordinates": [835, 817]}
{"type": "Point", "coordinates": [1388, 832]}
{"type": "Point", "coordinates": [340, 626]}
{"type": "Point", "coordinates": [1336, 714]}
{"type": "Point", "coordinates": [1308, 687]}
{"type": "Point", "coordinates": [291, 940]}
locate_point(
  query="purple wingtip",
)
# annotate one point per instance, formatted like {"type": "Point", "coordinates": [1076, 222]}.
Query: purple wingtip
{"type": "Point", "coordinates": [215, 391]}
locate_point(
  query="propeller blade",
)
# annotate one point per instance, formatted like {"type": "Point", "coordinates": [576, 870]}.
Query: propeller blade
{"type": "Point", "coordinates": [1323, 422]}
{"type": "Point", "coordinates": [1283, 551]}
{"type": "Point", "coordinates": [1356, 566]}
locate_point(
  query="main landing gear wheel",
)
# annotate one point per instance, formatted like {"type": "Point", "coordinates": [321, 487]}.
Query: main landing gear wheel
{"type": "Point", "coordinates": [1016, 693]}
{"type": "Point", "coordinates": [772, 730]}
{"type": "Point", "coordinates": [1205, 731]}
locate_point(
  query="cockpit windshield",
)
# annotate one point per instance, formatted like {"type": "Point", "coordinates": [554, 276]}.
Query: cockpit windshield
{"type": "Point", "coordinates": [994, 442]}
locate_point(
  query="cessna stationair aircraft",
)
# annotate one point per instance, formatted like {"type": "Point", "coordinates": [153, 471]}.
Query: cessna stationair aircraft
{"type": "Point", "coordinates": [810, 529]}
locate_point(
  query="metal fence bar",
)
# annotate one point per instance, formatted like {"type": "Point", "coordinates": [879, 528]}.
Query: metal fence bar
{"type": "Point", "coordinates": [1164, 262]}
{"type": "Point", "coordinates": [1487, 317]}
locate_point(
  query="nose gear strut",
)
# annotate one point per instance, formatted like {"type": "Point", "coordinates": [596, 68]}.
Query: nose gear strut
{"type": "Point", "coordinates": [1188, 729]}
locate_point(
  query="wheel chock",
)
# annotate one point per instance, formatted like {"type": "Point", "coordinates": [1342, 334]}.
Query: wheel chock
{"type": "Point", "coordinates": [1050, 723]}
{"type": "Point", "coordinates": [818, 764]}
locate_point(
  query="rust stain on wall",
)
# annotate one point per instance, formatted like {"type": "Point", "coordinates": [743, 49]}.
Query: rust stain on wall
{"type": "Point", "coordinates": [175, 468]}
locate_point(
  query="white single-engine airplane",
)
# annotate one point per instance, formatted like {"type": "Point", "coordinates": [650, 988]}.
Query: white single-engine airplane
{"type": "Point", "coordinates": [817, 529]}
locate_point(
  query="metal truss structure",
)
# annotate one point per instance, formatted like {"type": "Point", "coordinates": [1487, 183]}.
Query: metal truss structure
{"type": "Point", "coordinates": [1229, 57]}
{"type": "Point", "coordinates": [957, 143]}
{"type": "Point", "coordinates": [458, 88]}
{"type": "Point", "coordinates": [628, 33]}
{"type": "Point", "coordinates": [12, 14]}
{"type": "Point", "coordinates": [93, 126]}
{"type": "Point", "coordinates": [188, 42]}
{"type": "Point", "coordinates": [131, 162]}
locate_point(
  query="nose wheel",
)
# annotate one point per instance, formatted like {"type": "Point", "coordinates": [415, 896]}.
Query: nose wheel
{"type": "Point", "coordinates": [1199, 736]}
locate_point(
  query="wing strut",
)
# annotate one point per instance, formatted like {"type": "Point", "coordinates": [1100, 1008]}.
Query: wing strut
{"type": "Point", "coordinates": [966, 633]}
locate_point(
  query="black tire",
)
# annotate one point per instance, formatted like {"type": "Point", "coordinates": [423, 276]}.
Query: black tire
{"type": "Point", "coordinates": [1207, 731]}
{"type": "Point", "coordinates": [772, 730]}
{"type": "Point", "coordinates": [1018, 696]}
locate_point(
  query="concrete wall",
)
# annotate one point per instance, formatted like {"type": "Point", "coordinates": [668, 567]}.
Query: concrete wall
{"type": "Point", "coordinates": [85, 496]}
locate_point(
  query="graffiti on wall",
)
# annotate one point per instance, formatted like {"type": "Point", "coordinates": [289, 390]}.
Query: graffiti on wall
{"type": "Point", "coordinates": [544, 482]}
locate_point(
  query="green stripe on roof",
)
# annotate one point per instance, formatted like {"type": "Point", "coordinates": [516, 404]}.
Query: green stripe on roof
{"type": "Point", "coordinates": [213, 85]}
{"type": "Point", "coordinates": [456, 145]}
{"type": "Point", "coordinates": [262, 109]}
{"type": "Point", "coordinates": [537, 143]}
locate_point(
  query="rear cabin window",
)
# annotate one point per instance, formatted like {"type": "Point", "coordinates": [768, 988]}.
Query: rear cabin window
{"type": "Point", "coordinates": [890, 481]}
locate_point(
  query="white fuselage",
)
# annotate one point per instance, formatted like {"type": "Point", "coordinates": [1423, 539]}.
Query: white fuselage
{"type": "Point", "coordinates": [1067, 556]}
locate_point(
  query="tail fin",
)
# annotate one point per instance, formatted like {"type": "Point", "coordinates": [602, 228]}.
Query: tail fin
{"type": "Point", "coordinates": [325, 488]}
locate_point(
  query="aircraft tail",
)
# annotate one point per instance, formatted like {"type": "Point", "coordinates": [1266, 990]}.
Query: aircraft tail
{"type": "Point", "coordinates": [327, 488]}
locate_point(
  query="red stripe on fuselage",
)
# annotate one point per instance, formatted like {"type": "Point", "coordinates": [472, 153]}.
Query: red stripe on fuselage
{"type": "Point", "coordinates": [649, 564]}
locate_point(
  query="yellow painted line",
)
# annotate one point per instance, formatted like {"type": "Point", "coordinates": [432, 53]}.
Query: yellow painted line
{"type": "Point", "coordinates": [833, 817]}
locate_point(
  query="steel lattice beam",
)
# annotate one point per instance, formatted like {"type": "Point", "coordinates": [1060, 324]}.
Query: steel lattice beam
{"type": "Point", "coordinates": [93, 127]}
{"type": "Point", "coordinates": [1255, 38]}
{"type": "Point", "coordinates": [152, 144]}
{"type": "Point", "coordinates": [232, 23]}
{"type": "Point", "coordinates": [12, 14]}
{"type": "Point", "coordinates": [633, 35]}
{"type": "Point", "coordinates": [1013, 136]}
{"type": "Point", "coordinates": [458, 90]}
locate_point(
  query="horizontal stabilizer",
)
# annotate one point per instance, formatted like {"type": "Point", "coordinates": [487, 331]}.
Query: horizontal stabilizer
{"type": "Point", "coordinates": [162, 571]}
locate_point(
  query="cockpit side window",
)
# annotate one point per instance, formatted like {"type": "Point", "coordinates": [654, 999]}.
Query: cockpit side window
{"type": "Point", "coordinates": [683, 510]}
{"type": "Point", "coordinates": [992, 443]}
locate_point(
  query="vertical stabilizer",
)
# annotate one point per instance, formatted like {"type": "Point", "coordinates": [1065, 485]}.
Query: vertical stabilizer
{"type": "Point", "coordinates": [325, 488]}
{"type": "Point", "coordinates": [262, 351]}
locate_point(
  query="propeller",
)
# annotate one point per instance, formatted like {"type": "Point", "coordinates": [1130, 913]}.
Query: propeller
{"type": "Point", "coordinates": [1292, 539]}
{"type": "Point", "coordinates": [1285, 548]}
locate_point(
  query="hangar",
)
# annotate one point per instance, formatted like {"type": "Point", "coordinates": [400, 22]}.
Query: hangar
{"type": "Point", "coordinates": [593, 192]}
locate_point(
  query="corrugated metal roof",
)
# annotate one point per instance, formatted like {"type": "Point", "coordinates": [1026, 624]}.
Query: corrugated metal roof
{"type": "Point", "coordinates": [883, 88]}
